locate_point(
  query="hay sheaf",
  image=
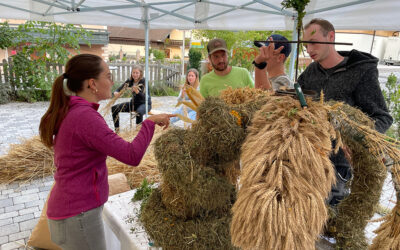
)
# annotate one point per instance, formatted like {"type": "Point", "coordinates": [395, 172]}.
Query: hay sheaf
{"type": "Point", "coordinates": [369, 174]}
{"type": "Point", "coordinates": [199, 187]}
{"type": "Point", "coordinates": [26, 161]}
{"type": "Point", "coordinates": [32, 160]}
{"type": "Point", "coordinates": [208, 194]}
{"type": "Point", "coordinates": [242, 95]}
{"type": "Point", "coordinates": [217, 135]}
{"type": "Point", "coordinates": [286, 177]}
{"type": "Point", "coordinates": [170, 232]}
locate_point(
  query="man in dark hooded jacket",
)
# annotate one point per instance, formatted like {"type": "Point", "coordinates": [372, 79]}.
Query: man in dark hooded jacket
{"type": "Point", "coordinates": [350, 77]}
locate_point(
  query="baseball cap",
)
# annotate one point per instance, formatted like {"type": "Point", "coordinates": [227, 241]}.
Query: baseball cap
{"type": "Point", "coordinates": [287, 47]}
{"type": "Point", "coordinates": [215, 45]}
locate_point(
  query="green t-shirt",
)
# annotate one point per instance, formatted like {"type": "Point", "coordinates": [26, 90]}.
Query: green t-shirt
{"type": "Point", "coordinates": [212, 84]}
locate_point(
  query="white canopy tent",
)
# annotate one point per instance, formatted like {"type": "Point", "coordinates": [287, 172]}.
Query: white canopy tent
{"type": "Point", "coordinates": [205, 14]}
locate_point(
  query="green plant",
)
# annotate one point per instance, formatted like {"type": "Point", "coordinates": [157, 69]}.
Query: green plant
{"type": "Point", "coordinates": [7, 36]}
{"type": "Point", "coordinates": [241, 40]}
{"type": "Point", "coordinates": [195, 56]}
{"type": "Point", "coordinates": [392, 97]}
{"type": "Point", "coordinates": [161, 89]}
{"type": "Point", "coordinates": [243, 57]}
{"type": "Point", "coordinates": [143, 192]}
{"type": "Point", "coordinates": [158, 54]}
{"type": "Point", "coordinates": [41, 47]}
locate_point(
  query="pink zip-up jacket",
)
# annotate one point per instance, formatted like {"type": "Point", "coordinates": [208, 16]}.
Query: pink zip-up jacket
{"type": "Point", "coordinates": [81, 147]}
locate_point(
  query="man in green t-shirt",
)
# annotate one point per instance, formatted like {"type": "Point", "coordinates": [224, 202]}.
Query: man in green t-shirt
{"type": "Point", "coordinates": [223, 75]}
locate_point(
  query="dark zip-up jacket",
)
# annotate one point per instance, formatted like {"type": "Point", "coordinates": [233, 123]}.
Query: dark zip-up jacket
{"type": "Point", "coordinates": [355, 83]}
{"type": "Point", "coordinates": [139, 98]}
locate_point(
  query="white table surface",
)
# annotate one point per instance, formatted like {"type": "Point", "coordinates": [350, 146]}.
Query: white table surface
{"type": "Point", "coordinates": [122, 228]}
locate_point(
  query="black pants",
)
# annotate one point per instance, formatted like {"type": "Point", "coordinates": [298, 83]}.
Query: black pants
{"type": "Point", "coordinates": [343, 171]}
{"type": "Point", "coordinates": [128, 107]}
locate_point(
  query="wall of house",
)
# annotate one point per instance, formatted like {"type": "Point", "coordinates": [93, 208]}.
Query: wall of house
{"type": "Point", "coordinates": [363, 42]}
{"type": "Point", "coordinates": [132, 50]}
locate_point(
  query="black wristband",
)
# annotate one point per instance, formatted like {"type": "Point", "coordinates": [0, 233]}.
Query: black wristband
{"type": "Point", "coordinates": [260, 65]}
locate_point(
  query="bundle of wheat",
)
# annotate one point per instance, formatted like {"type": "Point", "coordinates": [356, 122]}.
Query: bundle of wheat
{"type": "Point", "coordinates": [25, 161]}
{"type": "Point", "coordinates": [107, 108]}
{"type": "Point", "coordinates": [286, 177]}
{"type": "Point", "coordinates": [32, 160]}
{"type": "Point", "coordinates": [242, 95]}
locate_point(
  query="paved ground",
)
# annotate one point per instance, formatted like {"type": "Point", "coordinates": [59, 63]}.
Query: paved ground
{"type": "Point", "coordinates": [21, 203]}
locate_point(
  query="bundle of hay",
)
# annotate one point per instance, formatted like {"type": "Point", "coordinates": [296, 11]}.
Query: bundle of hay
{"type": "Point", "coordinates": [198, 187]}
{"type": "Point", "coordinates": [286, 177]}
{"type": "Point", "coordinates": [199, 168]}
{"type": "Point", "coordinates": [32, 160]}
{"type": "Point", "coordinates": [352, 214]}
{"type": "Point", "coordinates": [171, 232]}
{"type": "Point", "coordinates": [25, 161]}
{"type": "Point", "coordinates": [218, 133]}
{"type": "Point", "coordinates": [368, 147]}
{"type": "Point", "coordinates": [242, 95]}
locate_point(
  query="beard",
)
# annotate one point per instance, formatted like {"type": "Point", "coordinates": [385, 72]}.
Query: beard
{"type": "Point", "coordinates": [220, 66]}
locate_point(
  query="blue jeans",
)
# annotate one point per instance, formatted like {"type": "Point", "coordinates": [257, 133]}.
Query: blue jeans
{"type": "Point", "coordinates": [84, 231]}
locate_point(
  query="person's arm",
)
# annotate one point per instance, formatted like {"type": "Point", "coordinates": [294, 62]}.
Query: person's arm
{"type": "Point", "coordinates": [96, 134]}
{"type": "Point", "coordinates": [261, 79]}
{"type": "Point", "coordinates": [369, 98]}
{"type": "Point", "coordinates": [267, 55]}
{"type": "Point", "coordinates": [118, 90]}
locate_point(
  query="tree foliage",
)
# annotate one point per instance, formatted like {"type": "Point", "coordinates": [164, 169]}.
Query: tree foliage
{"type": "Point", "coordinates": [40, 47]}
{"type": "Point", "coordinates": [195, 56]}
{"type": "Point", "coordinates": [240, 43]}
{"type": "Point", "coordinates": [392, 98]}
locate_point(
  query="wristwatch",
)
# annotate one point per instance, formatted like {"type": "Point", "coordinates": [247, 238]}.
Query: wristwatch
{"type": "Point", "coordinates": [261, 65]}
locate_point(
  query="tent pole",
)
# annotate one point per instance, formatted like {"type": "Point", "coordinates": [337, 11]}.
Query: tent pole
{"type": "Point", "coordinates": [146, 68]}
{"type": "Point", "coordinates": [183, 55]}
{"type": "Point", "coordinates": [294, 52]}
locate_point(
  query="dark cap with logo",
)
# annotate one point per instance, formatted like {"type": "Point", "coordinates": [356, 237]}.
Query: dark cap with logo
{"type": "Point", "coordinates": [287, 47]}
{"type": "Point", "coordinates": [215, 45]}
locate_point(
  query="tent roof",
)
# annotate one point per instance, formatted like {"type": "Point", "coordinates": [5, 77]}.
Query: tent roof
{"type": "Point", "coordinates": [206, 14]}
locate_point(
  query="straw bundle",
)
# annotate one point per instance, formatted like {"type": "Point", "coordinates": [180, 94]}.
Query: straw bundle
{"type": "Point", "coordinates": [26, 161]}
{"type": "Point", "coordinates": [242, 95]}
{"type": "Point", "coordinates": [31, 160]}
{"type": "Point", "coordinates": [218, 133]}
{"type": "Point", "coordinates": [107, 108]}
{"type": "Point", "coordinates": [286, 177]}
{"type": "Point", "coordinates": [170, 232]}
{"type": "Point", "coordinates": [198, 187]}
{"type": "Point", "coordinates": [388, 234]}
{"type": "Point", "coordinates": [368, 147]}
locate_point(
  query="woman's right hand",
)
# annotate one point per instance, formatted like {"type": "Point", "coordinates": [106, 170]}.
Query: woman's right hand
{"type": "Point", "coordinates": [161, 119]}
{"type": "Point", "coordinates": [117, 94]}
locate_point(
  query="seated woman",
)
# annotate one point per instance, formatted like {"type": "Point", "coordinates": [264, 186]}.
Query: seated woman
{"type": "Point", "coordinates": [136, 84]}
{"type": "Point", "coordinates": [192, 79]}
